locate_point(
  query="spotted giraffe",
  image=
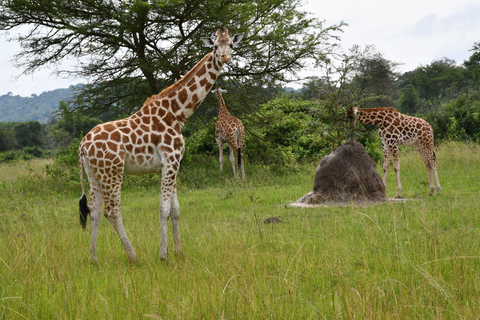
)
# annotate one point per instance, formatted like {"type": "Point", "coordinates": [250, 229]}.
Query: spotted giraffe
{"type": "Point", "coordinates": [231, 130]}
{"type": "Point", "coordinates": [148, 141]}
{"type": "Point", "coordinates": [396, 129]}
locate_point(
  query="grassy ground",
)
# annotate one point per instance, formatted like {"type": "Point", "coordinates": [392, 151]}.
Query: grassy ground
{"type": "Point", "coordinates": [413, 259]}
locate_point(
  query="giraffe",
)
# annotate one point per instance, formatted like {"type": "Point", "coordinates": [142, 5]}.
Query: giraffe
{"type": "Point", "coordinates": [397, 129]}
{"type": "Point", "coordinates": [230, 129]}
{"type": "Point", "coordinates": [148, 141]}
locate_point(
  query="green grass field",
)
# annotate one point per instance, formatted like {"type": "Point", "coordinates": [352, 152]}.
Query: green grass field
{"type": "Point", "coordinates": [417, 259]}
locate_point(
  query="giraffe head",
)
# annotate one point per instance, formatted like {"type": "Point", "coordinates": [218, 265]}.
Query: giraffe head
{"type": "Point", "coordinates": [352, 114]}
{"type": "Point", "coordinates": [218, 89]}
{"type": "Point", "coordinates": [223, 44]}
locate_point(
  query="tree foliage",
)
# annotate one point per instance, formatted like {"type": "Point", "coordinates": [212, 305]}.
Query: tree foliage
{"type": "Point", "coordinates": [133, 48]}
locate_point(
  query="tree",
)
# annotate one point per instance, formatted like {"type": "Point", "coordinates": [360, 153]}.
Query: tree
{"type": "Point", "coordinates": [133, 48]}
{"type": "Point", "coordinates": [374, 76]}
{"type": "Point", "coordinates": [473, 62]}
{"type": "Point", "coordinates": [408, 99]}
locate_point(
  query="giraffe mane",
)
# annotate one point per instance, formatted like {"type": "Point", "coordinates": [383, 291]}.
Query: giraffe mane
{"type": "Point", "coordinates": [179, 83]}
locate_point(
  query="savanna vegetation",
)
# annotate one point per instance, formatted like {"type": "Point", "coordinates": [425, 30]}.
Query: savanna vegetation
{"type": "Point", "coordinates": [409, 259]}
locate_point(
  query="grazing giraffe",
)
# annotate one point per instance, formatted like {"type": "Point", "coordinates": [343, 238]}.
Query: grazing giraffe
{"type": "Point", "coordinates": [397, 129]}
{"type": "Point", "coordinates": [230, 129]}
{"type": "Point", "coordinates": [148, 141]}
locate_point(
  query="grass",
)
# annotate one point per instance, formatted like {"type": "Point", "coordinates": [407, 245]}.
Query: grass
{"type": "Point", "coordinates": [412, 259]}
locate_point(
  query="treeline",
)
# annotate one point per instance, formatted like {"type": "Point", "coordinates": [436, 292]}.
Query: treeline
{"type": "Point", "coordinates": [39, 108]}
{"type": "Point", "coordinates": [285, 127]}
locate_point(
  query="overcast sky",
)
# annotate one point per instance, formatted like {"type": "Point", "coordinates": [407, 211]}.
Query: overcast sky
{"type": "Point", "coordinates": [411, 32]}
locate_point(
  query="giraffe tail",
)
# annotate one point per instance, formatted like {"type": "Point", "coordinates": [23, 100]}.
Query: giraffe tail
{"type": "Point", "coordinates": [239, 157]}
{"type": "Point", "coordinates": [83, 204]}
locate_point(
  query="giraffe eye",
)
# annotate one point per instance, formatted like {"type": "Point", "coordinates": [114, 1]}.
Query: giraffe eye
{"type": "Point", "coordinates": [216, 47]}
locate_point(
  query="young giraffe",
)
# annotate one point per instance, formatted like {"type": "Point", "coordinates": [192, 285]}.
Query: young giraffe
{"type": "Point", "coordinates": [230, 129]}
{"type": "Point", "coordinates": [148, 141]}
{"type": "Point", "coordinates": [397, 129]}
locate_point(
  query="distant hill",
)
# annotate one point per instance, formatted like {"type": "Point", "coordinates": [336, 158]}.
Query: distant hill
{"type": "Point", "coordinates": [35, 107]}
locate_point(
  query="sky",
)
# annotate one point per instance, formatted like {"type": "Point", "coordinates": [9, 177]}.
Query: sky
{"type": "Point", "coordinates": [409, 32]}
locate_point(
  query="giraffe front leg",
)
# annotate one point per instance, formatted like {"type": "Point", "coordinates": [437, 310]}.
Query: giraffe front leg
{"type": "Point", "coordinates": [168, 181]}
{"type": "Point", "coordinates": [232, 160]}
{"type": "Point", "coordinates": [175, 215]}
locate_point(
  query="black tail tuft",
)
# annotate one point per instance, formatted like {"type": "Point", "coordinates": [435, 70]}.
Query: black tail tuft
{"type": "Point", "coordinates": [239, 158]}
{"type": "Point", "coordinates": [84, 211]}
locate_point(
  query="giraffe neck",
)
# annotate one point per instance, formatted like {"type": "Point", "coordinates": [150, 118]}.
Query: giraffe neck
{"type": "Point", "coordinates": [184, 97]}
{"type": "Point", "coordinates": [376, 116]}
{"type": "Point", "coordinates": [223, 108]}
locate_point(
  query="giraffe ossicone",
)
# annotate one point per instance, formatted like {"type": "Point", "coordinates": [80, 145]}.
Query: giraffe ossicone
{"type": "Point", "coordinates": [231, 130]}
{"type": "Point", "coordinates": [148, 141]}
{"type": "Point", "coordinates": [397, 129]}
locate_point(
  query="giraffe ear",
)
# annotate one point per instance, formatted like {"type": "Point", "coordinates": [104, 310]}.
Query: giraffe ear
{"type": "Point", "coordinates": [223, 90]}
{"type": "Point", "coordinates": [213, 91]}
{"type": "Point", "coordinates": [208, 42]}
{"type": "Point", "coordinates": [237, 38]}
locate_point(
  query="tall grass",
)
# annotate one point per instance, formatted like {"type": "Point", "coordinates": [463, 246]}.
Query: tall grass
{"type": "Point", "coordinates": [413, 259]}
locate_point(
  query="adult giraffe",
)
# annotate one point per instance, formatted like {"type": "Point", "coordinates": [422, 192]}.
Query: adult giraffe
{"type": "Point", "coordinates": [148, 141]}
{"type": "Point", "coordinates": [397, 129]}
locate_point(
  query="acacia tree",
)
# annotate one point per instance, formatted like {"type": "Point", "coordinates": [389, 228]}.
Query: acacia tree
{"type": "Point", "coordinates": [129, 49]}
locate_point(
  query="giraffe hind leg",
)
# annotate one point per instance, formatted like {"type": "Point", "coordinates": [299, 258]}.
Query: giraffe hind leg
{"type": "Point", "coordinates": [113, 214]}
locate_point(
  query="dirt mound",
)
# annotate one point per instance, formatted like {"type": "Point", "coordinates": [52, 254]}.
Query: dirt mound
{"type": "Point", "coordinates": [346, 175]}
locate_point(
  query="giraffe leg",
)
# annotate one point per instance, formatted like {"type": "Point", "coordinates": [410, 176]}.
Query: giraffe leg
{"type": "Point", "coordinates": [168, 182]}
{"type": "Point", "coordinates": [386, 164]}
{"type": "Point", "coordinates": [439, 188]}
{"type": "Point", "coordinates": [96, 200]}
{"type": "Point", "coordinates": [232, 160]}
{"type": "Point", "coordinates": [113, 214]}
{"type": "Point", "coordinates": [242, 170]}
{"type": "Point", "coordinates": [396, 166]}
{"type": "Point", "coordinates": [220, 152]}
{"type": "Point", "coordinates": [174, 215]}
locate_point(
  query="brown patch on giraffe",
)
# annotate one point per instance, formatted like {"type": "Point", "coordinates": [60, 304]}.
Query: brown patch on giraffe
{"type": "Point", "coordinates": [102, 136]}
{"type": "Point", "coordinates": [144, 128]}
{"type": "Point", "coordinates": [129, 147]}
{"type": "Point", "coordinates": [133, 125]}
{"type": "Point", "coordinates": [174, 106]}
{"type": "Point", "coordinates": [140, 149]}
{"type": "Point", "coordinates": [182, 96]}
{"type": "Point", "coordinates": [167, 139]}
{"type": "Point", "coordinates": [150, 150]}
{"type": "Point", "coordinates": [177, 143]}
{"type": "Point", "coordinates": [109, 127]}
{"type": "Point", "coordinates": [195, 99]}
{"type": "Point", "coordinates": [133, 137]}
{"type": "Point", "coordinates": [169, 118]}
{"type": "Point", "coordinates": [166, 149]}
{"type": "Point", "coordinates": [146, 138]}
{"type": "Point", "coordinates": [116, 136]}
{"type": "Point", "coordinates": [213, 76]}
{"type": "Point", "coordinates": [191, 82]}
{"type": "Point", "coordinates": [193, 87]}
{"type": "Point", "coordinates": [157, 103]}
{"type": "Point", "coordinates": [201, 71]}
{"type": "Point", "coordinates": [158, 125]}
{"type": "Point", "coordinates": [125, 130]}
{"type": "Point", "coordinates": [203, 82]}
{"type": "Point", "coordinates": [112, 146]}
{"type": "Point", "coordinates": [147, 120]}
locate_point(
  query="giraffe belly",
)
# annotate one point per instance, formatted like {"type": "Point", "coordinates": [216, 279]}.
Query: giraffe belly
{"type": "Point", "coordinates": [142, 163]}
